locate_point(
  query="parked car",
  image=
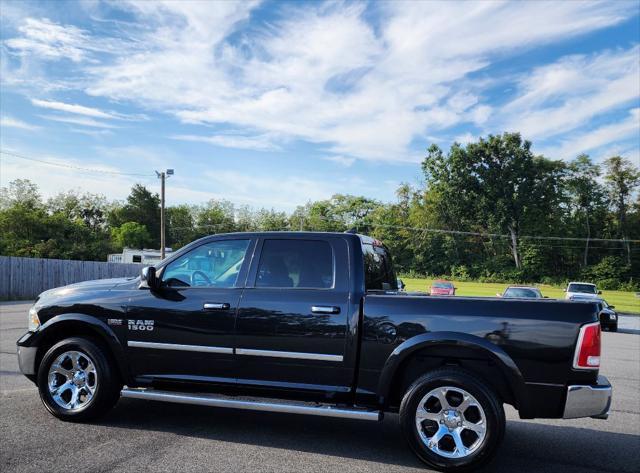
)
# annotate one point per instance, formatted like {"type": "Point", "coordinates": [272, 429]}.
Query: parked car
{"type": "Point", "coordinates": [608, 316]}
{"type": "Point", "coordinates": [440, 287]}
{"type": "Point", "coordinates": [315, 321]}
{"type": "Point", "coordinates": [522, 292]}
{"type": "Point", "coordinates": [581, 290]}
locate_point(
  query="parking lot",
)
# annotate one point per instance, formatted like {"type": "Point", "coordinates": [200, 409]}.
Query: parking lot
{"type": "Point", "coordinates": [139, 435]}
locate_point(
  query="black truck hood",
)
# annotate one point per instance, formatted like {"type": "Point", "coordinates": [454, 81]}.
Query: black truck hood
{"type": "Point", "coordinates": [86, 286]}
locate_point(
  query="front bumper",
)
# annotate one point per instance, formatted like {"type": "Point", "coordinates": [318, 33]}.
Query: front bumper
{"type": "Point", "coordinates": [588, 400]}
{"type": "Point", "coordinates": [27, 355]}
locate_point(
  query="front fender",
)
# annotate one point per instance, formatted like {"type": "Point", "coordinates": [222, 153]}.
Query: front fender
{"type": "Point", "coordinates": [72, 323]}
{"type": "Point", "coordinates": [432, 339]}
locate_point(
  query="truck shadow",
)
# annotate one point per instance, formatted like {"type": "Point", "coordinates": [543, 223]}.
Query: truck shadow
{"type": "Point", "coordinates": [528, 446]}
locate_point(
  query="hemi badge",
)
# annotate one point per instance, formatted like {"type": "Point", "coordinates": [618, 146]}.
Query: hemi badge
{"type": "Point", "coordinates": [114, 321]}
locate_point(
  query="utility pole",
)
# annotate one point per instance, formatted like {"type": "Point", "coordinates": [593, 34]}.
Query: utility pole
{"type": "Point", "coordinates": [162, 176]}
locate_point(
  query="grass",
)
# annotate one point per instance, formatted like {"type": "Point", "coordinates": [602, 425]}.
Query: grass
{"type": "Point", "coordinates": [625, 302]}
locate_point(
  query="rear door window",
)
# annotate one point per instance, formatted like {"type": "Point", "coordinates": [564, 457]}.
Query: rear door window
{"type": "Point", "coordinates": [303, 264]}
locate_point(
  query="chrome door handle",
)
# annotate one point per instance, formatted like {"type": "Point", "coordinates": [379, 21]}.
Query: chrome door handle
{"type": "Point", "coordinates": [323, 309]}
{"type": "Point", "coordinates": [216, 306]}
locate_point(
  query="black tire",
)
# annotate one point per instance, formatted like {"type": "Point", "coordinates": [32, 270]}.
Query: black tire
{"type": "Point", "coordinates": [106, 388]}
{"type": "Point", "coordinates": [485, 397]}
{"type": "Point", "coordinates": [613, 328]}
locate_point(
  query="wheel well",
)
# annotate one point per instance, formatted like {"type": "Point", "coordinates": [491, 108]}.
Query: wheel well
{"type": "Point", "coordinates": [70, 329]}
{"type": "Point", "coordinates": [475, 361]}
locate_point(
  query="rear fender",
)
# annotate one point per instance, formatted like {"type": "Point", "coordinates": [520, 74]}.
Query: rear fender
{"type": "Point", "coordinates": [433, 339]}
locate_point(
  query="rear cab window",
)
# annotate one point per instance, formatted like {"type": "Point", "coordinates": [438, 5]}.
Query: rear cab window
{"type": "Point", "coordinates": [379, 274]}
{"type": "Point", "coordinates": [298, 264]}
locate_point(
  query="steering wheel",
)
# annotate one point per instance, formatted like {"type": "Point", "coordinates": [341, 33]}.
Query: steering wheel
{"type": "Point", "coordinates": [205, 279]}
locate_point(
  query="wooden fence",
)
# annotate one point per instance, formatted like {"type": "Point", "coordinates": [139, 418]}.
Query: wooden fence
{"type": "Point", "coordinates": [25, 278]}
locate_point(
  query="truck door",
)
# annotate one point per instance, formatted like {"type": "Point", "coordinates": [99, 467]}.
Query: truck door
{"type": "Point", "coordinates": [185, 330]}
{"type": "Point", "coordinates": [291, 327]}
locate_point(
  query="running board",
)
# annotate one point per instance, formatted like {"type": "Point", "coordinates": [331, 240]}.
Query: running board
{"type": "Point", "coordinates": [213, 401]}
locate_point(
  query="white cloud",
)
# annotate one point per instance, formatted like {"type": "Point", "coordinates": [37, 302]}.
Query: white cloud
{"type": "Point", "coordinates": [82, 121]}
{"type": "Point", "coordinates": [324, 73]}
{"type": "Point", "coordinates": [54, 179]}
{"type": "Point", "coordinates": [466, 138]}
{"type": "Point", "coordinates": [82, 110]}
{"type": "Point", "coordinates": [10, 122]}
{"type": "Point", "coordinates": [597, 138]}
{"type": "Point", "coordinates": [285, 192]}
{"type": "Point", "coordinates": [49, 40]}
{"type": "Point", "coordinates": [341, 160]}
{"type": "Point", "coordinates": [263, 142]}
{"type": "Point", "coordinates": [326, 76]}
{"type": "Point", "coordinates": [567, 94]}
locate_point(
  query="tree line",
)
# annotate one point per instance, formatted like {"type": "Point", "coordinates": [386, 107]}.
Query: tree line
{"type": "Point", "coordinates": [490, 211]}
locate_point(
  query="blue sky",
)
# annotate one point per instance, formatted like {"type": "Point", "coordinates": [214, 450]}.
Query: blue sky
{"type": "Point", "coordinates": [272, 104]}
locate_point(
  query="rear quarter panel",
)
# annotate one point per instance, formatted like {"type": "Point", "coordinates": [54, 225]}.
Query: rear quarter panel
{"type": "Point", "coordinates": [539, 335]}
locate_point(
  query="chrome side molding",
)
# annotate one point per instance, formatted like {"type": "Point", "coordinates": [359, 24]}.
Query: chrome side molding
{"type": "Point", "coordinates": [174, 346]}
{"type": "Point", "coordinates": [288, 354]}
{"type": "Point", "coordinates": [237, 351]}
{"type": "Point", "coordinates": [212, 401]}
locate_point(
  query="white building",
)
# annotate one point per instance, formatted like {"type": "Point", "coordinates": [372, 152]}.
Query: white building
{"type": "Point", "coordinates": [132, 255]}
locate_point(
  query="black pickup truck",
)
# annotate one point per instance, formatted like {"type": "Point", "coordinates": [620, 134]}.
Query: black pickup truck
{"type": "Point", "coordinates": [313, 323]}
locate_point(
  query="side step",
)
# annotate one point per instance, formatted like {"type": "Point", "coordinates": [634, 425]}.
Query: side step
{"type": "Point", "coordinates": [213, 401]}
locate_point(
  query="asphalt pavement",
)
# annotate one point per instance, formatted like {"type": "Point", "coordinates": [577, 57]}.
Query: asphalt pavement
{"type": "Point", "coordinates": [141, 435]}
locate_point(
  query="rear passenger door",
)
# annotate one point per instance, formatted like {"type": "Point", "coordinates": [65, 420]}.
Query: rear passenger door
{"type": "Point", "coordinates": [292, 319]}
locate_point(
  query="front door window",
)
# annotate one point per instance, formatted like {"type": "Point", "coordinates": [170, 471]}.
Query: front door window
{"type": "Point", "coordinates": [216, 264]}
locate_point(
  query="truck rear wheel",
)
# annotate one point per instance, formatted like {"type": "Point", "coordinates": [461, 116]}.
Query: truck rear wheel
{"type": "Point", "coordinates": [452, 420]}
{"type": "Point", "coordinates": [76, 380]}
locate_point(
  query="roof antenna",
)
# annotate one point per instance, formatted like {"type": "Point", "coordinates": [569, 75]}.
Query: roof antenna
{"type": "Point", "coordinates": [352, 230]}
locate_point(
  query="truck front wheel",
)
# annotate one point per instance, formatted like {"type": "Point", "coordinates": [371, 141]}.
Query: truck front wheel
{"type": "Point", "coordinates": [76, 380]}
{"type": "Point", "coordinates": [452, 420]}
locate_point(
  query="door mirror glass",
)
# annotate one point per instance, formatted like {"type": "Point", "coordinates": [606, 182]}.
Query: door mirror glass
{"type": "Point", "coordinates": [148, 277]}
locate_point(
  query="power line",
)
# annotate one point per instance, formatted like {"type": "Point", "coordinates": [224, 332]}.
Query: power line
{"type": "Point", "coordinates": [71, 166]}
{"type": "Point", "coordinates": [402, 227]}
{"type": "Point", "coordinates": [454, 232]}
{"type": "Point", "coordinates": [499, 235]}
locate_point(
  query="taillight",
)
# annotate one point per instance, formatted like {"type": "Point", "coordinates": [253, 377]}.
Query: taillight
{"type": "Point", "coordinates": [587, 355]}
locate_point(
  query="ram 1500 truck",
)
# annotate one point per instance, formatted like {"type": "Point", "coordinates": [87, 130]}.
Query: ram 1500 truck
{"type": "Point", "coordinates": [313, 323]}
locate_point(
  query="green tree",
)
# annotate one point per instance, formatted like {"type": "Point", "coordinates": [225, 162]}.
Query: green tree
{"type": "Point", "coordinates": [586, 193]}
{"type": "Point", "coordinates": [496, 184]}
{"type": "Point", "coordinates": [21, 192]}
{"type": "Point", "coordinates": [180, 225]}
{"type": "Point", "coordinates": [622, 178]}
{"type": "Point", "coordinates": [217, 216]}
{"type": "Point", "coordinates": [131, 235]}
{"type": "Point", "coordinates": [143, 207]}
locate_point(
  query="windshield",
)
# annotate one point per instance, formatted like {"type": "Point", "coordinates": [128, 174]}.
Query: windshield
{"type": "Point", "coordinates": [442, 285]}
{"type": "Point", "coordinates": [582, 288]}
{"type": "Point", "coordinates": [522, 292]}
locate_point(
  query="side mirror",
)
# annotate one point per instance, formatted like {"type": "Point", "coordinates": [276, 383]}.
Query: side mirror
{"type": "Point", "coordinates": [148, 277]}
{"type": "Point", "coordinates": [599, 292]}
{"type": "Point", "coordinates": [498, 294]}
{"type": "Point", "coordinates": [612, 307]}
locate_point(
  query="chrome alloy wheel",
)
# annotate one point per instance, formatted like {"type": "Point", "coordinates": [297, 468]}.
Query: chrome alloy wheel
{"type": "Point", "coordinates": [73, 380]}
{"type": "Point", "coordinates": [451, 422]}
